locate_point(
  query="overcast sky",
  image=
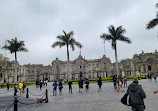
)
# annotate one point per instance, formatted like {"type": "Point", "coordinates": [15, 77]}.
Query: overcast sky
{"type": "Point", "coordinates": [39, 22]}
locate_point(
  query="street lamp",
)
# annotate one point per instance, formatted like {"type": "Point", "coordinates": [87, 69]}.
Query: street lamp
{"type": "Point", "coordinates": [80, 71]}
{"type": "Point", "coordinates": [104, 70]}
{"type": "Point", "coordinates": [57, 69]}
{"type": "Point", "coordinates": [37, 71]}
{"type": "Point", "coordinates": [84, 68]}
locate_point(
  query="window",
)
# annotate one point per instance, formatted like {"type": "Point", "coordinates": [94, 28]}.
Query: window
{"type": "Point", "coordinates": [97, 65]}
{"type": "Point", "coordinates": [1, 75]}
{"type": "Point", "coordinates": [149, 68]}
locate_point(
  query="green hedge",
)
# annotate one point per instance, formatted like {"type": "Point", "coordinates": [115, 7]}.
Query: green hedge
{"type": "Point", "coordinates": [12, 84]}
{"type": "Point", "coordinates": [105, 79]}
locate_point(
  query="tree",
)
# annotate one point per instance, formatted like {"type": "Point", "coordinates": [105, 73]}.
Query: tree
{"type": "Point", "coordinates": [15, 46]}
{"type": "Point", "coordinates": [153, 22]}
{"type": "Point", "coordinates": [115, 35]}
{"type": "Point", "coordinates": [67, 40]}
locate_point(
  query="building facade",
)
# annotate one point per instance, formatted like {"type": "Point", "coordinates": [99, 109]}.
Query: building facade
{"type": "Point", "coordinates": [140, 65]}
{"type": "Point", "coordinates": [82, 68]}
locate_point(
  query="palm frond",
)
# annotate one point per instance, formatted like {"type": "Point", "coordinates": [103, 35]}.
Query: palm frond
{"type": "Point", "coordinates": [22, 49]}
{"type": "Point", "coordinates": [57, 43]}
{"type": "Point", "coordinates": [152, 23]}
{"type": "Point", "coordinates": [106, 37]}
{"type": "Point", "coordinates": [74, 42]}
{"type": "Point", "coordinates": [70, 34]}
{"type": "Point", "coordinates": [66, 39]}
{"type": "Point", "coordinates": [114, 35]}
{"type": "Point", "coordinates": [62, 38]}
{"type": "Point", "coordinates": [66, 35]}
{"type": "Point", "coordinates": [112, 31]}
{"type": "Point", "coordinates": [14, 45]}
{"type": "Point", "coordinates": [72, 46]}
{"type": "Point", "coordinates": [120, 31]}
{"type": "Point", "coordinates": [62, 44]}
{"type": "Point", "coordinates": [124, 39]}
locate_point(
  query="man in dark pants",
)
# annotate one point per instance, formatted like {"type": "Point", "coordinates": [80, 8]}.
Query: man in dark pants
{"type": "Point", "coordinates": [136, 95]}
{"type": "Point", "coordinates": [80, 83]}
{"type": "Point", "coordinates": [99, 84]}
{"type": "Point", "coordinates": [41, 83]}
{"type": "Point", "coordinates": [70, 86]}
{"type": "Point", "coordinates": [8, 86]}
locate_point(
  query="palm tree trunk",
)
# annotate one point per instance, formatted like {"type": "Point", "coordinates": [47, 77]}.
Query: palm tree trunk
{"type": "Point", "coordinates": [15, 75]}
{"type": "Point", "coordinates": [117, 69]}
{"type": "Point", "coordinates": [68, 64]}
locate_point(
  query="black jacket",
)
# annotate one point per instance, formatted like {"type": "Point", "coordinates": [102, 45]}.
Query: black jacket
{"type": "Point", "coordinates": [136, 94]}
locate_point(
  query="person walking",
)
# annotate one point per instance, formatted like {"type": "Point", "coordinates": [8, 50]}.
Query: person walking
{"type": "Point", "coordinates": [125, 82]}
{"type": "Point", "coordinates": [155, 77]}
{"type": "Point", "coordinates": [80, 83]}
{"type": "Point", "coordinates": [55, 84]}
{"type": "Point", "coordinates": [8, 86]}
{"type": "Point", "coordinates": [87, 84]}
{"type": "Point", "coordinates": [70, 86]}
{"type": "Point", "coordinates": [136, 95]}
{"type": "Point", "coordinates": [60, 87]}
{"type": "Point", "coordinates": [23, 88]}
{"type": "Point", "coordinates": [41, 83]}
{"type": "Point", "coordinates": [46, 82]}
{"type": "Point", "coordinates": [20, 86]}
{"type": "Point", "coordinates": [99, 84]}
{"type": "Point", "coordinates": [119, 85]}
{"type": "Point", "coordinates": [37, 83]}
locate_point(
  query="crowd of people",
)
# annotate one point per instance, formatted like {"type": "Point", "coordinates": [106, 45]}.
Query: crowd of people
{"type": "Point", "coordinates": [81, 83]}
{"type": "Point", "coordinates": [20, 86]}
{"type": "Point", "coordinates": [150, 76]}
{"type": "Point", "coordinates": [134, 90]}
{"type": "Point", "coordinates": [119, 83]}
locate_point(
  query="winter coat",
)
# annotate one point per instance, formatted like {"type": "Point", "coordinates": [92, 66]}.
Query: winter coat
{"type": "Point", "coordinates": [136, 94]}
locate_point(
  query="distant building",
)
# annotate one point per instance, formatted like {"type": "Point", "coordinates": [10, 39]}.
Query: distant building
{"type": "Point", "coordinates": [2, 58]}
{"type": "Point", "coordinates": [140, 65]}
{"type": "Point", "coordinates": [82, 68]}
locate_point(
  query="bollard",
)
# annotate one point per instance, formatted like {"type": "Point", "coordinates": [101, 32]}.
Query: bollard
{"type": "Point", "coordinates": [46, 99]}
{"type": "Point", "coordinates": [27, 93]}
{"type": "Point", "coordinates": [15, 104]}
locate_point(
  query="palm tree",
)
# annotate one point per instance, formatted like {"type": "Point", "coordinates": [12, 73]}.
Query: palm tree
{"type": "Point", "coordinates": [67, 40]}
{"type": "Point", "coordinates": [114, 35]}
{"type": "Point", "coordinates": [15, 46]}
{"type": "Point", "coordinates": [153, 22]}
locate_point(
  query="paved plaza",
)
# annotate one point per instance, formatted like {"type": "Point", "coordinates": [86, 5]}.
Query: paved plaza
{"type": "Point", "coordinates": [106, 100]}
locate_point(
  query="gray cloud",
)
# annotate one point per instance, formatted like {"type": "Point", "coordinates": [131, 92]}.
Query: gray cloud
{"type": "Point", "coordinates": [38, 22]}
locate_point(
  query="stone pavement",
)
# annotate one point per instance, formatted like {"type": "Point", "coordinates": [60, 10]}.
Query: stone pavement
{"type": "Point", "coordinates": [106, 100]}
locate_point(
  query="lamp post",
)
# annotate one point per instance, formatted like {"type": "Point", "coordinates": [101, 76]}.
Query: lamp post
{"type": "Point", "coordinates": [37, 72]}
{"type": "Point", "coordinates": [104, 70]}
{"type": "Point", "coordinates": [57, 69]}
{"type": "Point", "coordinates": [84, 68]}
{"type": "Point", "coordinates": [80, 71]}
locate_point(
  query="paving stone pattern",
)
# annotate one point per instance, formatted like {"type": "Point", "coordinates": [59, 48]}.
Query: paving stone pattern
{"type": "Point", "coordinates": [106, 100]}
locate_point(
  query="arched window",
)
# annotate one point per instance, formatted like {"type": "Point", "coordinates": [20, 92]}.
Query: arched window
{"type": "Point", "coordinates": [149, 68]}
{"type": "Point", "coordinates": [0, 75]}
